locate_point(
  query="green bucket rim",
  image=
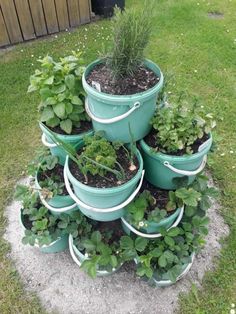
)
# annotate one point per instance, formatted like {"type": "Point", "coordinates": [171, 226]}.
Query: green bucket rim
{"type": "Point", "coordinates": [172, 158]}
{"type": "Point", "coordinates": [119, 188]}
{"type": "Point", "coordinates": [122, 98]}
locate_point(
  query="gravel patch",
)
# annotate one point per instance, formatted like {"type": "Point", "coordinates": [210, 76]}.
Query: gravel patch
{"type": "Point", "coordinates": [63, 288]}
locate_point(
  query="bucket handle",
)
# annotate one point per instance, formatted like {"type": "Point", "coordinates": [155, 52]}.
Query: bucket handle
{"type": "Point", "coordinates": [100, 210]}
{"type": "Point", "coordinates": [157, 235]}
{"type": "Point", "coordinates": [55, 209]}
{"type": "Point", "coordinates": [77, 261]}
{"type": "Point", "coordinates": [46, 143]}
{"type": "Point", "coordinates": [110, 120]}
{"type": "Point", "coordinates": [186, 172]}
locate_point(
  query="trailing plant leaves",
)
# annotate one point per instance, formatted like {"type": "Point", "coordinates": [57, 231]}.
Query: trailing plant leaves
{"type": "Point", "coordinates": [70, 81]}
{"type": "Point", "coordinates": [60, 110]}
{"type": "Point", "coordinates": [66, 125]}
{"type": "Point", "coordinates": [126, 243]}
{"type": "Point", "coordinates": [140, 244]}
{"type": "Point", "coordinates": [190, 197]}
{"type": "Point", "coordinates": [47, 114]}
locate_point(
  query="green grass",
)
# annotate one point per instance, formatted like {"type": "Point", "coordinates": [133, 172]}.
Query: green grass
{"type": "Point", "coordinates": [200, 53]}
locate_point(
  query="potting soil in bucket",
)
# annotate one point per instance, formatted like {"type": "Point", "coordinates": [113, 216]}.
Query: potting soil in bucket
{"type": "Point", "coordinates": [122, 117]}
{"type": "Point", "coordinates": [103, 204]}
{"type": "Point", "coordinates": [58, 151]}
{"type": "Point", "coordinates": [164, 170]}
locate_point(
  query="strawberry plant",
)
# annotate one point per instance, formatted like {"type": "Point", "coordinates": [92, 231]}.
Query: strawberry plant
{"type": "Point", "coordinates": [60, 88]}
{"type": "Point", "coordinates": [179, 126]}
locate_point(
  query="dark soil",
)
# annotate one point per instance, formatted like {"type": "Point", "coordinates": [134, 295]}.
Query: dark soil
{"type": "Point", "coordinates": [110, 180]}
{"type": "Point", "coordinates": [26, 222]}
{"type": "Point", "coordinates": [151, 139]}
{"type": "Point", "coordinates": [112, 226]}
{"type": "Point", "coordinates": [57, 172]}
{"type": "Point", "coordinates": [141, 81]}
{"type": "Point", "coordinates": [84, 127]}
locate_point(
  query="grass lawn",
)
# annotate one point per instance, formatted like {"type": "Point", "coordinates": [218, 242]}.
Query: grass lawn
{"type": "Point", "coordinates": [200, 53]}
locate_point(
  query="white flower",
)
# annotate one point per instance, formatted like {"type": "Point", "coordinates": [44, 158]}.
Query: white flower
{"type": "Point", "coordinates": [232, 311]}
{"type": "Point", "coordinates": [32, 56]}
{"type": "Point", "coordinates": [222, 154]}
{"type": "Point", "coordinates": [231, 151]}
{"type": "Point", "coordinates": [232, 305]}
{"type": "Point", "coordinates": [56, 36]}
{"type": "Point", "coordinates": [141, 224]}
{"type": "Point", "coordinates": [113, 269]}
{"type": "Point", "coordinates": [22, 50]}
{"type": "Point", "coordinates": [86, 255]}
{"type": "Point", "coordinates": [195, 71]}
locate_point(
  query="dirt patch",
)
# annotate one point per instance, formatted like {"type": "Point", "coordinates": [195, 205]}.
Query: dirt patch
{"type": "Point", "coordinates": [142, 80]}
{"type": "Point", "coordinates": [64, 288]}
{"type": "Point", "coordinates": [215, 15]}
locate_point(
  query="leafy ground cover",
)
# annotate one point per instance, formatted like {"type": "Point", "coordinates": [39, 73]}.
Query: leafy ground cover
{"type": "Point", "coordinates": [191, 43]}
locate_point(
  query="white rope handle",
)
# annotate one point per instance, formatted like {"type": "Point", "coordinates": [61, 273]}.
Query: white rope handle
{"type": "Point", "coordinates": [149, 235]}
{"type": "Point", "coordinates": [186, 172]}
{"type": "Point", "coordinates": [77, 261]}
{"type": "Point", "coordinates": [46, 143]}
{"type": "Point", "coordinates": [110, 120]}
{"type": "Point", "coordinates": [56, 209]}
{"type": "Point", "coordinates": [99, 210]}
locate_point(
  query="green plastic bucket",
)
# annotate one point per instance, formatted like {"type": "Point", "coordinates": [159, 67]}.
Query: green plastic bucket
{"type": "Point", "coordinates": [58, 204]}
{"type": "Point", "coordinates": [115, 113]}
{"type": "Point", "coordinates": [78, 258]}
{"type": "Point", "coordinates": [103, 204]}
{"type": "Point", "coordinates": [59, 245]}
{"type": "Point", "coordinates": [57, 150]}
{"type": "Point", "coordinates": [163, 170]}
{"type": "Point", "coordinates": [154, 227]}
{"type": "Point", "coordinates": [150, 232]}
{"type": "Point", "coordinates": [165, 282]}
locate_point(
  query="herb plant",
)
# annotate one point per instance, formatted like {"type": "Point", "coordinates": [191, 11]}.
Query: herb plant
{"type": "Point", "coordinates": [131, 33]}
{"type": "Point", "coordinates": [42, 228]}
{"type": "Point", "coordinates": [101, 252]}
{"type": "Point", "coordinates": [180, 125]}
{"type": "Point", "coordinates": [61, 92]}
{"type": "Point", "coordinates": [144, 209]}
{"type": "Point", "coordinates": [98, 156]}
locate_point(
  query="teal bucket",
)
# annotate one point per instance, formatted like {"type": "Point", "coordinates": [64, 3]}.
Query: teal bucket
{"type": "Point", "coordinates": [103, 204]}
{"type": "Point", "coordinates": [116, 115]}
{"type": "Point", "coordinates": [59, 245]}
{"type": "Point", "coordinates": [165, 281]}
{"type": "Point", "coordinates": [164, 171]}
{"type": "Point", "coordinates": [79, 257]}
{"type": "Point", "coordinates": [153, 229]}
{"type": "Point", "coordinates": [57, 150]}
{"type": "Point", "coordinates": [58, 204]}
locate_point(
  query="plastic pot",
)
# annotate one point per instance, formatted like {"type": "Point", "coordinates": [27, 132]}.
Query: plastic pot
{"type": "Point", "coordinates": [166, 282]}
{"type": "Point", "coordinates": [58, 204]}
{"type": "Point", "coordinates": [128, 228]}
{"type": "Point", "coordinates": [118, 114]}
{"type": "Point", "coordinates": [79, 257]}
{"type": "Point", "coordinates": [154, 227]}
{"type": "Point", "coordinates": [57, 150]}
{"type": "Point", "coordinates": [103, 204]}
{"type": "Point", "coordinates": [163, 170]}
{"type": "Point", "coordinates": [59, 245]}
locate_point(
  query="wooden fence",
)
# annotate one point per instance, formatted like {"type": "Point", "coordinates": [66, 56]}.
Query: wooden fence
{"type": "Point", "coordinates": [22, 20]}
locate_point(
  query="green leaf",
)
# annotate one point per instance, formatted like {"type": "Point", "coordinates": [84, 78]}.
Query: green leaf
{"type": "Point", "coordinates": [59, 110]}
{"type": "Point", "coordinates": [66, 125]}
{"type": "Point", "coordinates": [69, 108]}
{"type": "Point", "coordinates": [49, 81]}
{"type": "Point", "coordinates": [126, 243]}
{"type": "Point", "coordinates": [53, 122]}
{"type": "Point", "coordinates": [70, 81]}
{"type": "Point", "coordinates": [114, 261]}
{"type": "Point", "coordinates": [189, 196]}
{"type": "Point", "coordinates": [47, 114]}
{"type": "Point", "coordinates": [173, 232]}
{"type": "Point", "coordinates": [149, 272]}
{"type": "Point", "coordinates": [162, 261]}
{"type": "Point", "coordinates": [169, 241]}
{"type": "Point", "coordinates": [140, 244]}
{"type": "Point", "coordinates": [88, 244]}
{"type": "Point", "coordinates": [76, 101]}
{"type": "Point", "coordinates": [51, 101]}
{"type": "Point", "coordinates": [96, 237]}
{"type": "Point", "coordinates": [59, 89]}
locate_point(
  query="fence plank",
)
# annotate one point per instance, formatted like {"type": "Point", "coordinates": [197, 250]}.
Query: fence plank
{"type": "Point", "coordinates": [73, 7]}
{"type": "Point", "coordinates": [10, 17]}
{"type": "Point", "coordinates": [84, 10]}
{"type": "Point", "coordinates": [50, 16]}
{"type": "Point", "coordinates": [62, 14]}
{"type": "Point", "coordinates": [36, 9]}
{"type": "Point", "coordinates": [4, 39]}
{"type": "Point", "coordinates": [23, 12]}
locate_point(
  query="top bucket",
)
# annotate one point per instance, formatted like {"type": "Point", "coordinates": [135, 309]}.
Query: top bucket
{"type": "Point", "coordinates": [118, 114]}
